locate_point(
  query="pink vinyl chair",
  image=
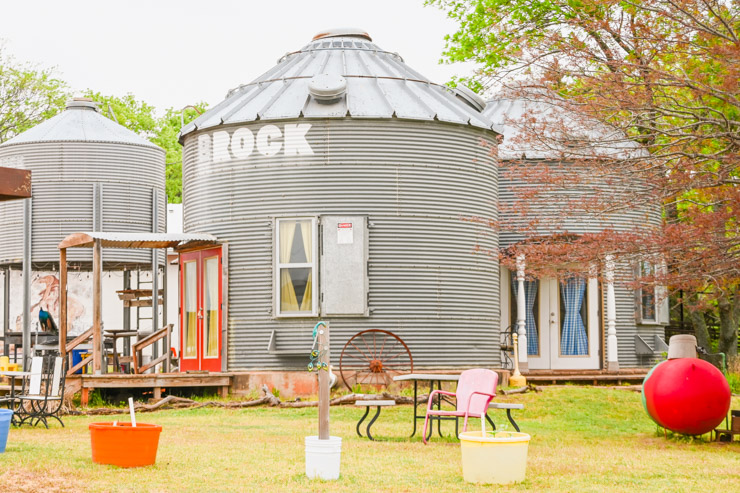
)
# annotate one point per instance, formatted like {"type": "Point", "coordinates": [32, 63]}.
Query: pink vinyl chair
{"type": "Point", "coordinates": [475, 389]}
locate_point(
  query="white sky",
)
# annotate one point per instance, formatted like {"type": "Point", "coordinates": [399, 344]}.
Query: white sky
{"type": "Point", "coordinates": [173, 53]}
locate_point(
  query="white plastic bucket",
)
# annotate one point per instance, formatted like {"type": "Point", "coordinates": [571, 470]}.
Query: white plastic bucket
{"type": "Point", "coordinates": [323, 457]}
{"type": "Point", "coordinates": [682, 346]}
{"type": "Point", "coordinates": [499, 459]}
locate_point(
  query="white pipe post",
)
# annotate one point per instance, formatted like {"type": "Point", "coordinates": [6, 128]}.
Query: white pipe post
{"type": "Point", "coordinates": [521, 315]}
{"type": "Point", "coordinates": [324, 388]}
{"type": "Point", "coordinates": [612, 350]}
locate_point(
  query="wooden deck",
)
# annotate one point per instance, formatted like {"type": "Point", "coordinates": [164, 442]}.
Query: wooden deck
{"type": "Point", "coordinates": [630, 375]}
{"type": "Point", "coordinates": [154, 381]}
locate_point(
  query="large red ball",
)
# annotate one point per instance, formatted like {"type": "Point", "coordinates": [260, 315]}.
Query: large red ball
{"type": "Point", "coordinates": [686, 395]}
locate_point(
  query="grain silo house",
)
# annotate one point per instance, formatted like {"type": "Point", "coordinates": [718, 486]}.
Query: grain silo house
{"type": "Point", "coordinates": [572, 323]}
{"type": "Point", "coordinates": [341, 181]}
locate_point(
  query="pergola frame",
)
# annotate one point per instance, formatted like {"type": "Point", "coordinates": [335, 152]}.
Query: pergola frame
{"type": "Point", "coordinates": [96, 241]}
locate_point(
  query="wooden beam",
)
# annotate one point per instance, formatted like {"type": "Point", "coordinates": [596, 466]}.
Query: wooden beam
{"type": "Point", "coordinates": [97, 301]}
{"type": "Point", "coordinates": [14, 184]}
{"type": "Point", "coordinates": [151, 380]}
{"type": "Point", "coordinates": [79, 365]}
{"type": "Point", "coordinates": [79, 340]}
{"type": "Point", "coordinates": [63, 302]}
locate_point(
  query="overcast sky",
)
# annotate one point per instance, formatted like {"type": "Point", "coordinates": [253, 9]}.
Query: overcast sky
{"type": "Point", "coordinates": [173, 53]}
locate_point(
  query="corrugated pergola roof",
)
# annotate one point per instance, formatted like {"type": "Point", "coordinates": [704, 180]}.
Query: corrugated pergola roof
{"type": "Point", "coordinates": [135, 240]}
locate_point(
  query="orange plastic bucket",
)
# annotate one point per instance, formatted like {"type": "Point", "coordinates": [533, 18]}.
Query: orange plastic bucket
{"type": "Point", "coordinates": [123, 445]}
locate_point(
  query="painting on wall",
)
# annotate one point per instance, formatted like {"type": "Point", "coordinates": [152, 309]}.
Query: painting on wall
{"type": "Point", "coordinates": [45, 294]}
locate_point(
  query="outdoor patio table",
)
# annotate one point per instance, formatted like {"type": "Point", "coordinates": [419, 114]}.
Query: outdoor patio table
{"type": "Point", "coordinates": [431, 378]}
{"type": "Point", "coordinates": [13, 375]}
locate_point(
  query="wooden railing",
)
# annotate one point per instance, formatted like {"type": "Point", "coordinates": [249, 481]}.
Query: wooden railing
{"type": "Point", "coordinates": [73, 344]}
{"type": "Point", "coordinates": [152, 338]}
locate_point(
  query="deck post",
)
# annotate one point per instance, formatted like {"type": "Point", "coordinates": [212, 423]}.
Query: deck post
{"type": "Point", "coordinates": [27, 249]}
{"type": "Point", "coordinates": [521, 315]}
{"type": "Point", "coordinates": [63, 302]}
{"type": "Point", "coordinates": [97, 300]}
{"type": "Point", "coordinates": [611, 317]}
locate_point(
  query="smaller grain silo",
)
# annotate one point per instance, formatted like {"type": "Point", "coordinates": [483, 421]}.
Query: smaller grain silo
{"type": "Point", "coordinates": [89, 174]}
{"type": "Point", "coordinates": [612, 326]}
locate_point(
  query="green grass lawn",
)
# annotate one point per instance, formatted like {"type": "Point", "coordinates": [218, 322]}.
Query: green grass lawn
{"type": "Point", "coordinates": [583, 439]}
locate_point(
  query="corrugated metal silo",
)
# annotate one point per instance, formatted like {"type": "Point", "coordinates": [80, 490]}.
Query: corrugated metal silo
{"type": "Point", "coordinates": [347, 138]}
{"type": "Point", "coordinates": [89, 174]}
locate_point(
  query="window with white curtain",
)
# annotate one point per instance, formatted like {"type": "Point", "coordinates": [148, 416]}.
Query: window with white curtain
{"type": "Point", "coordinates": [295, 267]}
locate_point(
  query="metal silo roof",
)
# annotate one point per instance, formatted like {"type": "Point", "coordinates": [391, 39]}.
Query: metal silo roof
{"type": "Point", "coordinates": [548, 122]}
{"type": "Point", "coordinates": [378, 85]}
{"type": "Point", "coordinates": [79, 122]}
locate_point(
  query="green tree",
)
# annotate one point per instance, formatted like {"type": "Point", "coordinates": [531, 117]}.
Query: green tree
{"type": "Point", "coordinates": [168, 130]}
{"type": "Point", "coordinates": [28, 96]}
{"type": "Point", "coordinates": [140, 117]}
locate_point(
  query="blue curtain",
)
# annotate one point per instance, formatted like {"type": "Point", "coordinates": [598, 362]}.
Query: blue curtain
{"type": "Point", "coordinates": [573, 340]}
{"type": "Point", "coordinates": [530, 293]}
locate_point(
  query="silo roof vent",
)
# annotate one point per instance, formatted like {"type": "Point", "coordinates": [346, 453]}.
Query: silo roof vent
{"type": "Point", "coordinates": [343, 32]}
{"type": "Point", "coordinates": [470, 97]}
{"type": "Point", "coordinates": [327, 88]}
{"type": "Point", "coordinates": [82, 103]}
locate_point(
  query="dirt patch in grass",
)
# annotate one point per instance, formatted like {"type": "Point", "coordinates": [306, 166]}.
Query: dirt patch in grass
{"type": "Point", "coordinates": [48, 481]}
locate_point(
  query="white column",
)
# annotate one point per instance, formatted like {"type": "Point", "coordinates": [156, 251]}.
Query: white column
{"type": "Point", "coordinates": [521, 315]}
{"type": "Point", "coordinates": [612, 351]}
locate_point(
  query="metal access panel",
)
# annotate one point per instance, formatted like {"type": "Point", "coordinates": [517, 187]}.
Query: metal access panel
{"type": "Point", "coordinates": [344, 252]}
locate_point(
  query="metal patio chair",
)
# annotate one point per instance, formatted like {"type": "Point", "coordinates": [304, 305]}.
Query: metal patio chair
{"type": "Point", "coordinates": [475, 390]}
{"type": "Point", "coordinates": [45, 398]}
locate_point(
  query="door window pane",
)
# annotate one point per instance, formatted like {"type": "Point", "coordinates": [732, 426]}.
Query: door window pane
{"type": "Point", "coordinates": [573, 317]}
{"type": "Point", "coordinates": [210, 299]}
{"type": "Point", "coordinates": [191, 309]}
{"type": "Point", "coordinates": [531, 305]}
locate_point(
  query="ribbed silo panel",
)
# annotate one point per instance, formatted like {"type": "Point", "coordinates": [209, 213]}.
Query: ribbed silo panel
{"type": "Point", "coordinates": [417, 182]}
{"type": "Point", "coordinates": [64, 175]}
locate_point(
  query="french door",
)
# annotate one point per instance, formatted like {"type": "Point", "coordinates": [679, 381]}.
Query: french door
{"type": "Point", "coordinates": [568, 325]}
{"type": "Point", "coordinates": [201, 295]}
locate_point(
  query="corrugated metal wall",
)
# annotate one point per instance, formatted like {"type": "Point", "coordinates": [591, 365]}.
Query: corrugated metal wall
{"type": "Point", "coordinates": [625, 220]}
{"type": "Point", "coordinates": [416, 182]}
{"type": "Point", "coordinates": [626, 326]}
{"type": "Point", "coordinates": [63, 176]}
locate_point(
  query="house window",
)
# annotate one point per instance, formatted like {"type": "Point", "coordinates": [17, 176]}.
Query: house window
{"type": "Point", "coordinates": [647, 295]}
{"type": "Point", "coordinates": [295, 267]}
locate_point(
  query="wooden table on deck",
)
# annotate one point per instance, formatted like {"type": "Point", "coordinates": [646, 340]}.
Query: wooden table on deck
{"type": "Point", "coordinates": [116, 334]}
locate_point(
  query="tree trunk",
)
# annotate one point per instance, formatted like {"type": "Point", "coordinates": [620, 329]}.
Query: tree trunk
{"type": "Point", "coordinates": [700, 329]}
{"type": "Point", "coordinates": [729, 320]}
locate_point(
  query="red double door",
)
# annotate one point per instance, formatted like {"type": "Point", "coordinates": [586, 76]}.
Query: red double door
{"type": "Point", "coordinates": [201, 296]}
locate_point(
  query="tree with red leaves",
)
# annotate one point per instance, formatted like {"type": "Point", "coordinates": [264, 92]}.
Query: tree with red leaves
{"type": "Point", "coordinates": [644, 106]}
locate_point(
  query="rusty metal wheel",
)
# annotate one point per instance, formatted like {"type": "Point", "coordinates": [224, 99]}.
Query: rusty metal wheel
{"type": "Point", "coordinates": [373, 357]}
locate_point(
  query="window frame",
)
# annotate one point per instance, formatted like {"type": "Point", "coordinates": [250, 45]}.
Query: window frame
{"type": "Point", "coordinates": [313, 265]}
{"type": "Point", "coordinates": [640, 309]}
